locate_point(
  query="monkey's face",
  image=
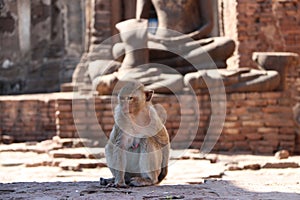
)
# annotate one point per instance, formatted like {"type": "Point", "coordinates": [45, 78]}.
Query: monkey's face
{"type": "Point", "coordinates": [133, 102]}
{"type": "Point", "coordinates": [132, 98]}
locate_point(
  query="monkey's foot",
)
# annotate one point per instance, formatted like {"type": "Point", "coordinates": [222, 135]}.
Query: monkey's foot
{"type": "Point", "coordinates": [140, 182]}
{"type": "Point", "coordinates": [106, 181]}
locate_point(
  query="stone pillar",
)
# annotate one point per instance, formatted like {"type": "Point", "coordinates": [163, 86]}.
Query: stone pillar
{"type": "Point", "coordinates": [228, 27]}
{"type": "Point", "coordinates": [24, 23]}
{"type": "Point", "coordinates": [40, 31]}
{"type": "Point", "coordinates": [74, 36]}
{"type": "Point", "coordinates": [13, 50]}
{"type": "Point", "coordinates": [9, 34]}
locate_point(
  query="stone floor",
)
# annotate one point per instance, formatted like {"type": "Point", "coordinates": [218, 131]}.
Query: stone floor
{"type": "Point", "coordinates": [67, 170]}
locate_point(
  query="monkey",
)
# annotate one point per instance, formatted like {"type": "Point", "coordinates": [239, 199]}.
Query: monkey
{"type": "Point", "coordinates": [137, 151]}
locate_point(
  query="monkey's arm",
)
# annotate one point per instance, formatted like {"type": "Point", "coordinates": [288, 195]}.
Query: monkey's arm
{"type": "Point", "coordinates": [116, 157]}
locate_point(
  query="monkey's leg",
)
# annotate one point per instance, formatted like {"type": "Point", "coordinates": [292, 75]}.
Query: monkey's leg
{"type": "Point", "coordinates": [165, 161]}
{"type": "Point", "coordinates": [118, 167]}
{"type": "Point", "coordinates": [109, 154]}
{"type": "Point", "coordinates": [150, 166]}
{"type": "Point", "coordinates": [116, 162]}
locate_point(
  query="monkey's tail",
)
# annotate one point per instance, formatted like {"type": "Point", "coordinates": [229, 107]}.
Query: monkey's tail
{"type": "Point", "coordinates": [163, 173]}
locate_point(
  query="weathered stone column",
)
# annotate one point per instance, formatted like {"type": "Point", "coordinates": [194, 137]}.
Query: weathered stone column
{"type": "Point", "coordinates": [24, 23]}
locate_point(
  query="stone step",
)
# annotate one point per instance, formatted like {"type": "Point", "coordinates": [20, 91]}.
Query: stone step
{"type": "Point", "coordinates": [79, 164]}
{"type": "Point", "coordinates": [44, 163]}
{"type": "Point", "coordinates": [40, 148]}
{"type": "Point", "coordinates": [73, 142]}
{"type": "Point", "coordinates": [78, 153]}
{"type": "Point", "coordinates": [281, 165]}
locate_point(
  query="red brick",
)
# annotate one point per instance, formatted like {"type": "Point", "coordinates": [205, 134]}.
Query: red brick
{"type": "Point", "coordinates": [67, 127]}
{"type": "Point", "coordinates": [237, 96]}
{"type": "Point", "coordinates": [279, 122]}
{"type": "Point", "coordinates": [231, 131]}
{"type": "Point", "coordinates": [231, 125]}
{"type": "Point", "coordinates": [66, 115]}
{"type": "Point", "coordinates": [238, 111]}
{"type": "Point", "coordinates": [234, 137]}
{"type": "Point", "coordinates": [284, 137]}
{"type": "Point", "coordinates": [241, 146]}
{"type": "Point", "coordinates": [107, 113]}
{"type": "Point", "coordinates": [271, 101]}
{"type": "Point", "coordinates": [224, 146]}
{"type": "Point", "coordinates": [254, 136]}
{"type": "Point", "coordinates": [271, 95]}
{"type": "Point", "coordinates": [253, 123]}
{"type": "Point", "coordinates": [284, 102]}
{"type": "Point", "coordinates": [230, 118]}
{"type": "Point", "coordinates": [265, 130]}
{"type": "Point", "coordinates": [187, 112]}
{"type": "Point", "coordinates": [290, 144]}
{"type": "Point", "coordinates": [277, 109]}
{"type": "Point", "coordinates": [287, 131]}
{"type": "Point", "coordinates": [264, 150]}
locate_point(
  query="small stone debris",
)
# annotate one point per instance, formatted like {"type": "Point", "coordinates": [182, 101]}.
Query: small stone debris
{"type": "Point", "coordinates": [7, 139]}
{"type": "Point", "coordinates": [234, 168]}
{"type": "Point", "coordinates": [252, 167]}
{"type": "Point", "coordinates": [283, 154]}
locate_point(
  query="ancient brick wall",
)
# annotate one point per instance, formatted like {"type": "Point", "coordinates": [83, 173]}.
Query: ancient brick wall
{"type": "Point", "coordinates": [27, 118]}
{"type": "Point", "coordinates": [262, 25]}
{"type": "Point", "coordinates": [255, 122]}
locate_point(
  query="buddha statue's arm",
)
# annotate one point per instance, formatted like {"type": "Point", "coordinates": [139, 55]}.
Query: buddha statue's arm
{"type": "Point", "coordinates": [142, 9]}
{"type": "Point", "coordinates": [206, 26]}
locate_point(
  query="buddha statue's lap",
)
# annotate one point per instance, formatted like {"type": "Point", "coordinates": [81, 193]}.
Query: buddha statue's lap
{"type": "Point", "coordinates": [135, 64]}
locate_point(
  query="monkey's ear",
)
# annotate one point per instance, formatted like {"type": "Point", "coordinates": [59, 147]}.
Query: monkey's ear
{"type": "Point", "coordinates": [149, 94]}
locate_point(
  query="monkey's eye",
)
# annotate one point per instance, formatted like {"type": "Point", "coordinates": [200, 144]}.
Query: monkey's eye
{"type": "Point", "coordinates": [130, 98]}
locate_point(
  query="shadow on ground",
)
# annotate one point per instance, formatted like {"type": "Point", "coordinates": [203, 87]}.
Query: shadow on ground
{"type": "Point", "coordinates": [212, 189]}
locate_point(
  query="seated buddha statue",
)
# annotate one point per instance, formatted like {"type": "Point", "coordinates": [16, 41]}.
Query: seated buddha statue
{"type": "Point", "coordinates": [179, 53]}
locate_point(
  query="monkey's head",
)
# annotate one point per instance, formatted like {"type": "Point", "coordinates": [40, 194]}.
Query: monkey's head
{"type": "Point", "coordinates": [133, 98]}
